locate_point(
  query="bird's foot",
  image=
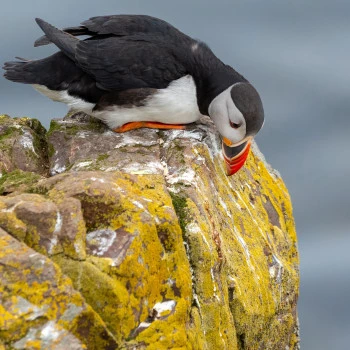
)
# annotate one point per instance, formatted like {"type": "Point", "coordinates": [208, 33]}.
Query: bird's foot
{"type": "Point", "coordinates": [150, 125]}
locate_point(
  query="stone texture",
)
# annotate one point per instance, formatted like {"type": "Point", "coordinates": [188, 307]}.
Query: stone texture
{"type": "Point", "coordinates": [22, 145]}
{"type": "Point", "coordinates": [146, 229]}
{"type": "Point", "coordinates": [89, 145]}
{"type": "Point", "coordinates": [39, 307]}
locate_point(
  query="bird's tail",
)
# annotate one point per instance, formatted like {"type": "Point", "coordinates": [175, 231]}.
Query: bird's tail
{"type": "Point", "coordinates": [54, 71]}
{"type": "Point", "coordinates": [23, 71]}
{"type": "Point", "coordinates": [65, 42]}
{"type": "Point", "coordinates": [49, 71]}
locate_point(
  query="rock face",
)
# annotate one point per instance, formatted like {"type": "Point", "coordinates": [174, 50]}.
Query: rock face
{"type": "Point", "coordinates": [140, 241]}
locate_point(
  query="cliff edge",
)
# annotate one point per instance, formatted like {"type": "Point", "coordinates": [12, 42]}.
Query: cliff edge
{"type": "Point", "coordinates": [140, 241]}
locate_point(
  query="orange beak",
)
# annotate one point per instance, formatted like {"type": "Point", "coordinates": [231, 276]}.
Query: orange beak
{"type": "Point", "coordinates": [234, 156]}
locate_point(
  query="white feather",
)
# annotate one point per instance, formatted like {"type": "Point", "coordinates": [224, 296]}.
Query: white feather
{"type": "Point", "coordinates": [177, 104]}
{"type": "Point", "coordinates": [222, 110]}
{"type": "Point", "coordinates": [62, 96]}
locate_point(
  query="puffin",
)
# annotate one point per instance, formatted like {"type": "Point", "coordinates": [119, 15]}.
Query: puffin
{"type": "Point", "coordinates": [138, 71]}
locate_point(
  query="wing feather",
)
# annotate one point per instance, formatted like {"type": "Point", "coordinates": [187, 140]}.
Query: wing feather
{"type": "Point", "coordinates": [129, 63]}
{"type": "Point", "coordinates": [119, 25]}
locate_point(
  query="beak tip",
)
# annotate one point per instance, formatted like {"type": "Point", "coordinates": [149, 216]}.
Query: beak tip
{"type": "Point", "coordinates": [234, 164]}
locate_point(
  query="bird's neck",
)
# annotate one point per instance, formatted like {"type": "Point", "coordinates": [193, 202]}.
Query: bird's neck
{"type": "Point", "coordinates": [214, 84]}
{"type": "Point", "coordinates": [211, 76]}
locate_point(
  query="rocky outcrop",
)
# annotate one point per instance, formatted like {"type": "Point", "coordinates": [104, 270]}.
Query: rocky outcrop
{"type": "Point", "coordinates": [140, 241]}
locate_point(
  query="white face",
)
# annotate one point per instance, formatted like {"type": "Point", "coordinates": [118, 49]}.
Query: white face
{"type": "Point", "coordinates": [227, 117]}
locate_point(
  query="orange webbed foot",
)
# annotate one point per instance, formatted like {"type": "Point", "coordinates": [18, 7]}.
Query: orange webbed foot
{"type": "Point", "coordinates": [150, 125]}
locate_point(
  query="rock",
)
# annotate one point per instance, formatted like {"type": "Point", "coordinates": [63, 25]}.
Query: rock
{"type": "Point", "coordinates": [164, 250]}
{"type": "Point", "coordinates": [22, 145]}
{"type": "Point", "coordinates": [105, 149]}
{"type": "Point", "coordinates": [17, 180]}
{"type": "Point", "coordinates": [40, 308]}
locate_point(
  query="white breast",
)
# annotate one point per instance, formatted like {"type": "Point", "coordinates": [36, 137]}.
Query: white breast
{"type": "Point", "coordinates": [177, 104]}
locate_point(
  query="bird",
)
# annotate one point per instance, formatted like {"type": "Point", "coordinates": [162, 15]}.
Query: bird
{"type": "Point", "coordinates": [134, 71]}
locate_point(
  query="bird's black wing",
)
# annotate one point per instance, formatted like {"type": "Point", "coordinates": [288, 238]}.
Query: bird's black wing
{"type": "Point", "coordinates": [138, 61]}
{"type": "Point", "coordinates": [120, 63]}
{"type": "Point", "coordinates": [120, 25]}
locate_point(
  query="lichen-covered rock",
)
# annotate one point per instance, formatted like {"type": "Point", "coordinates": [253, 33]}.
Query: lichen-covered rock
{"type": "Point", "coordinates": [89, 145]}
{"type": "Point", "coordinates": [23, 145]}
{"type": "Point", "coordinates": [39, 307]}
{"type": "Point", "coordinates": [168, 251]}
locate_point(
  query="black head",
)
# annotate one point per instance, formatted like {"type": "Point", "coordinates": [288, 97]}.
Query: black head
{"type": "Point", "coordinates": [238, 114]}
{"type": "Point", "coordinates": [248, 101]}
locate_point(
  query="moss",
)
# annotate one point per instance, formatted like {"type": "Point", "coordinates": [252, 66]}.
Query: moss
{"type": "Point", "coordinates": [102, 157]}
{"type": "Point", "coordinates": [11, 125]}
{"type": "Point", "coordinates": [4, 117]}
{"type": "Point", "coordinates": [11, 131]}
{"type": "Point", "coordinates": [40, 145]}
{"type": "Point", "coordinates": [70, 129]}
{"type": "Point", "coordinates": [51, 150]}
{"type": "Point", "coordinates": [95, 125]}
{"type": "Point", "coordinates": [54, 126]}
{"type": "Point", "coordinates": [177, 151]}
{"type": "Point", "coordinates": [8, 131]}
{"type": "Point", "coordinates": [16, 179]}
{"type": "Point", "coordinates": [33, 123]}
{"type": "Point", "coordinates": [36, 189]}
{"type": "Point", "coordinates": [181, 209]}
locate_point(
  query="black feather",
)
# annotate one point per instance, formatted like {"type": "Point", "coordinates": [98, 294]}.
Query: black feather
{"type": "Point", "coordinates": [75, 31]}
{"type": "Point", "coordinates": [118, 25]}
{"type": "Point", "coordinates": [124, 52]}
{"type": "Point", "coordinates": [56, 72]}
{"type": "Point", "coordinates": [65, 42]}
{"type": "Point", "coordinates": [120, 63]}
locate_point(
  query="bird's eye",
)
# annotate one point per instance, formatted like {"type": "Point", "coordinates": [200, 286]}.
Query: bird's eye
{"type": "Point", "coordinates": [235, 125]}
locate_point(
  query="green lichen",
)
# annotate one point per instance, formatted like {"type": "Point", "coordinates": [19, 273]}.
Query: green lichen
{"type": "Point", "coordinates": [54, 126]}
{"type": "Point", "coordinates": [11, 130]}
{"type": "Point", "coordinates": [4, 117]}
{"type": "Point", "coordinates": [181, 209]}
{"type": "Point", "coordinates": [40, 145]}
{"type": "Point", "coordinates": [50, 150]}
{"type": "Point", "coordinates": [95, 125]}
{"type": "Point", "coordinates": [176, 150]}
{"type": "Point", "coordinates": [8, 131]}
{"type": "Point", "coordinates": [32, 123]}
{"type": "Point", "coordinates": [102, 157]}
{"type": "Point", "coordinates": [37, 189]}
{"type": "Point", "coordinates": [71, 128]}
{"type": "Point", "coordinates": [16, 179]}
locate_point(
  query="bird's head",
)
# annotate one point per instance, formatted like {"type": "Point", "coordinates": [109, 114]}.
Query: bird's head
{"type": "Point", "coordinates": [238, 115]}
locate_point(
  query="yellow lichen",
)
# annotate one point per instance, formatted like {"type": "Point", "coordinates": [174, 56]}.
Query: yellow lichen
{"type": "Point", "coordinates": [222, 249]}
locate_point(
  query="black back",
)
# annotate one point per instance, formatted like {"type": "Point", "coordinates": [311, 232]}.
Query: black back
{"type": "Point", "coordinates": [124, 52]}
{"type": "Point", "coordinates": [118, 25]}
